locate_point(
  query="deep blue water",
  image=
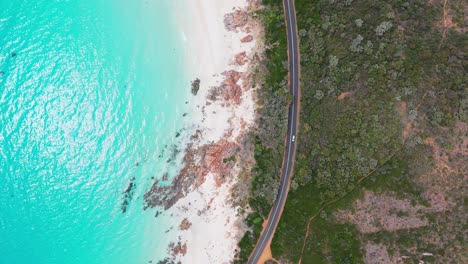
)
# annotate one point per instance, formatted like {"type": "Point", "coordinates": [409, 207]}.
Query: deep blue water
{"type": "Point", "coordinates": [90, 93]}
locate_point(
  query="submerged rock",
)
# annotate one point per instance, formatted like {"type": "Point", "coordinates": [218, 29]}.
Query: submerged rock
{"type": "Point", "coordinates": [157, 213]}
{"type": "Point", "coordinates": [128, 195]}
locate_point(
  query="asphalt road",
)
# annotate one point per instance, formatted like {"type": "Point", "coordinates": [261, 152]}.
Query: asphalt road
{"type": "Point", "coordinates": [291, 137]}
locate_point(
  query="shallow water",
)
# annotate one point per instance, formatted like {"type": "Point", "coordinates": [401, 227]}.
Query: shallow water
{"type": "Point", "coordinates": [91, 92]}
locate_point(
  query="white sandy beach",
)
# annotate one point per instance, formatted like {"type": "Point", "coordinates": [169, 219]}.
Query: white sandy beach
{"type": "Point", "coordinates": [210, 49]}
{"type": "Point", "coordinates": [215, 225]}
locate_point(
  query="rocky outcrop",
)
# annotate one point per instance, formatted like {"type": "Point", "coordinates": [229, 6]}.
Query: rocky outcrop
{"type": "Point", "coordinates": [236, 19]}
{"type": "Point", "coordinates": [185, 224]}
{"type": "Point", "coordinates": [247, 38]}
{"type": "Point", "coordinates": [178, 249]}
{"type": "Point", "coordinates": [218, 158]}
{"type": "Point", "coordinates": [229, 90]}
{"type": "Point", "coordinates": [232, 90]}
{"type": "Point", "coordinates": [128, 195]}
{"type": "Point", "coordinates": [167, 196]}
{"type": "Point", "coordinates": [195, 86]}
{"type": "Point", "coordinates": [240, 58]}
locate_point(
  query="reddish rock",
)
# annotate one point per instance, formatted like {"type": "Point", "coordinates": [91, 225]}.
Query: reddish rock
{"type": "Point", "coordinates": [231, 90]}
{"type": "Point", "coordinates": [185, 224]}
{"type": "Point", "coordinates": [178, 249]}
{"type": "Point", "coordinates": [217, 157]}
{"type": "Point", "coordinates": [228, 134]}
{"type": "Point", "coordinates": [247, 38]}
{"type": "Point", "coordinates": [232, 76]}
{"type": "Point", "coordinates": [233, 93]}
{"type": "Point", "coordinates": [168, 195]}
{"type": "Point", "coordinates": [241, 58]}
{"type": "Point", "coordinates": [235, 20]}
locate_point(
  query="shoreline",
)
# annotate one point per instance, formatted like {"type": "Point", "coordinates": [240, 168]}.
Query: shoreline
{"type": "Point", "coordinates": [208, 220]}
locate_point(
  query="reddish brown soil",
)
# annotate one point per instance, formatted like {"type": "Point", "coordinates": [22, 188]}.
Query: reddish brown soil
{"type": "Point", "coordinates": [343, 95]}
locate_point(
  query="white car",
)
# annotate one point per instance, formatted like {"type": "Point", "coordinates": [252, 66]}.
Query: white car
{"type": "Point", "coordinates": [293, 138]}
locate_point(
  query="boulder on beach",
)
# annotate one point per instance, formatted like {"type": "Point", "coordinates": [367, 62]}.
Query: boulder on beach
{"type": "Point", "coordinates": [195, 86]}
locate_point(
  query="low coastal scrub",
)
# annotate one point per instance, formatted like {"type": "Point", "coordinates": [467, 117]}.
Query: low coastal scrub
{"type": "Point", "coordinates": [273, 100]}
{"type": "Point", "coordinates": [383, 116]}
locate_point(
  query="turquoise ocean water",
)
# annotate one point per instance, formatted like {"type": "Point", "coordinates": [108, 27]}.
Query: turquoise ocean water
{"type": "Point", "coordinates": [91, 91]}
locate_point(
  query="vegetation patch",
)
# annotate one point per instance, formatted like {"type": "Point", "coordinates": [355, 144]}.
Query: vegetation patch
{"type": "Point", "coordinates": [383, 122]}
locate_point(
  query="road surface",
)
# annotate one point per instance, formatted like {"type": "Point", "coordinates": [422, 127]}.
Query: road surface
{"type": "Point", "coordinates": [291, 136]}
